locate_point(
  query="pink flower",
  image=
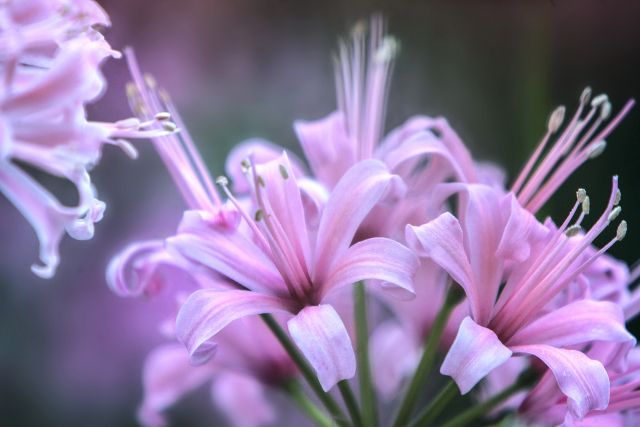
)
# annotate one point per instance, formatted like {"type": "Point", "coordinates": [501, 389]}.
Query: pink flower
{"type": "Point", "coordinates": [50, 54]}
{"type": "Point", "coordinates": [497, 242]}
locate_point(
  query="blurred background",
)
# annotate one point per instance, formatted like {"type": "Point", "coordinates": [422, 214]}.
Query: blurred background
{"type": "Point", "coordinates": [71, 352]}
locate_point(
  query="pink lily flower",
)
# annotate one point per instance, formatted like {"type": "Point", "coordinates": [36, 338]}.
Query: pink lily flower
{"type": "Point", "coordinates": [50, 55]}
{"type": "Point", "coordinates": [496, 242]}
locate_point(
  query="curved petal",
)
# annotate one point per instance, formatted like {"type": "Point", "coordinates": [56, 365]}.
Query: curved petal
{"type": "Point", "coordinates": [243, 400]}
{"type": "Point", "coordinates": [320, 334]}
{"type": "Point", "coordinates": [166, 377]}
{"type": "Point", "coordinates": [326, 146]}
{"type": "Point", "coordinates": [584, 381]}
{"type": "Point", "coordinates": [228, 252]}
{"type": "Point", "coordinates": [514, 242]}
{"type": "Point", "coordinates": [579, 322]}
{"type": "Point", "coordinates": [207, 311]}
{"type": "Point", "coordinates": [475, 352]}
{"type": "Point", "coordinates": [349, 203]}
{"type": "Point", "coordinates": [377, 258]}
{"type": "Point", "coordinates": [441, 241]}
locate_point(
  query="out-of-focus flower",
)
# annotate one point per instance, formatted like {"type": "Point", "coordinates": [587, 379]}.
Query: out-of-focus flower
{"type": "Point", "coordinates": [50, 52]}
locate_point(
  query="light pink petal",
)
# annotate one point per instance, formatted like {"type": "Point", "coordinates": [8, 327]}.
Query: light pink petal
{"type": "Point", "coordinates": [320, 334]}
{"type": "Point", "coordinates": [359, 190]}
{"type": "Point", "coordinates": [260, 151]}
{"type": "Point", "coordinates": [167, 377]}
{"type": "Point", "coordinates": [579, 322]}
{"type": "Point", "coordinates": [514, 244]}
{"type": "Point", "coordinates": [378, 258]}
{"type": "Point", "coordinates": [243, 400]}
{"type": "Point", "coordinates": [207, 311]}
{"type": "Point", "coordinates": [394, 355]}
{"type": "Point", "coordinates": [475, 352]}
{"type": "Point", "coordinates": [327, 147]}
{"type": "Point", "coordinates": [441, 241]}
{"type": "Point", "coordinates": [227, 251]}
{"type": "Point", "coordinates": [584, 381]}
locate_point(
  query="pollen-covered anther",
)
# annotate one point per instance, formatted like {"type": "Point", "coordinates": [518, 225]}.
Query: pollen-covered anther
{"type": "Point", "coordinates": [599, 100]}
{"type": "Point", "coordinates": [614, 213]}
{"type": "Point", "coordinates": [163, 116]}
{"type": "Point", "coordinates": [556, 119]}
{"type": "Point", "coordinates": [597, 149]}
{"type": "Point", "coordinates": [283, 172]}
{"type": "Point", "coordinates": [388, 49]}
{"type": "Point", "coordinates": [581, 194]}
{"type": "Point", "coordinates": [222, 181]}
{"type": "Point", "coordinates": [605, 110]}
{"type": "Point", "coordinates": [259, 215]}
{"type": "Point", "coordinates": [130, 123]}
{"type": "Point", "coordinates": [245, 166]}
{"type": "Point", "coordinates": [573, 230]}
{"type": "Point", "coordinates": [616, 201]}
{"type": "Point", "coordinates": [169, 126]}
{"type": "Point", "coordinates": [585, 95]}
{"type": "Point", "coordinates": [622, 230]}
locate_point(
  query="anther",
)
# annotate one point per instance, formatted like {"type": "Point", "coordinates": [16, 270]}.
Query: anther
{"type": "Point", "coordinates": [618, 197]}
{"type": "Point", "coordinates": [130, 123]}
{"type": "Point", "coordinates": [259, 215]}
{"type": "Point", "coordinates": [245, 165]}
{"type": "Point", "coordinates": [586, 94]}
{"type": "Point", "coordinates": [586, 205]}
{"type": "Point", "coordinates": [387, 50]}
{"type": "Point", "coordinates": [162, 116]}
{"type": "Point", "coordinates": [599, 100]}
{"type": "Point", "coordinates": [622, 230]}
{"type": "Point", "coordinates": [605, 110]}
{"type": "Point", "coordinates": [169, 126]}
{"type": "Point", "coordinates": [283, 172]}
{"type": "Point", "coordinates": [260, 181]}
{"type": "Point", "coordinates": [222, 181]}
{"type": "Point", "coordinates": [581, 194]}
{"type": "Point", "coordinates": [556, 119]}
{"type": "Point", "coordinates": [150, 81]}
{"type": "Point", "coordinates": [614, 213]}
{"type": "Point", "coordinates": [597, 149]}
{"type": "Point", "coordinates": [573, 230]}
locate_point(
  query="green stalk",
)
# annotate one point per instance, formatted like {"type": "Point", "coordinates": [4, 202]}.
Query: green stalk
{"type": "Point", "coordinates": [369, 414]}
{"type": "Point", "coordinates": [481, 409]}
{"type": "Point", "coordinates": [428, 357]}
{"type": "Point", "coordinates": [351, 402]}
{"type": "Point", "coordinates": [295, 392]}
{"type": "Point", "coordinates": [436, 406]}
{"type": "Point", "coordinates": [306, 370]}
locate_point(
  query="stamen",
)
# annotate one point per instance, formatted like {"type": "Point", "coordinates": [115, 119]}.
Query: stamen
{"type": "Point", "coordinates": [388, 50]}
{"type": "Point", "coordinates": [259, 215]}
{"type": "Point", "coordinates": [283, 172]}
{"type": "Point", "coordinates": [585, 96]}
{"type": "Point", "coordinates": [581, 194]}
{"type": "Point", "coordinates": [616, 201]}
{"type": "Point", "coordinates": [622, 230]}
{"type": "Point", "coordinates": [573, 230]}
{"type": "Point", "coordinates": [599, 100]}
{"type": "Point", "coordinates": [246, 166]}
{"type": "Point", "coordinates": [163, 116]}
{"type": "Point", "coordinates": [605, 110]}
{"type": "Point", "coordinates": [614, 213]}
{"type": "Point", "coordinates": [597, 149]}
{"type": "Point", "coordinates": [586, 205]}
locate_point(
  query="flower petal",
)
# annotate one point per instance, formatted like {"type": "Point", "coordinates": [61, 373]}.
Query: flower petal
{"type": "Point", "coordinates": [243, 400]}
{"type": "Point", "coordinates": [207, 311]}
{"type": "Point", "coordinates": [579, 322]}
{"type": "Point", "coordinates": [441, 241]}
{"type": "Point", "coordinates": [167, 376]}
{"type": "Point", "coordinates": [377, 258]}
{"type": "Point", "coordinates": [227, 251]}
{"type": "Point", "coordinates": [584, 381]}
{"type": "Point", "coordinates": [475, 352]}
{"type": "Point", "coordinates": [349, 203]}
{"type": "Point", "coordinates": [320, 334]}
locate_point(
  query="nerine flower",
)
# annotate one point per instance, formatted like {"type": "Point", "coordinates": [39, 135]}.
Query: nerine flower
{"type": "Point", "coordinates": [50, 54]}
{"type": "Point", "coordinates": [511, 268]}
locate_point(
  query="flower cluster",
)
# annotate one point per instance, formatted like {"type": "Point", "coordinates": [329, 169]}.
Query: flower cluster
{"type": "Point", "coordinates": [50, 55]}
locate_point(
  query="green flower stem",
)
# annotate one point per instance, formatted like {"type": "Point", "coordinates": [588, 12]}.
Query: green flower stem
{"type": "Point", "coordinates": [351, 402]}
{"type": "Point", "coordinates": [368, 398]}
{"type": "Point", "coordinates": [481, 409]}
{"type": "Point", "coordinates": [436, 406]}
{"type": "Point", "coordinates": [296, 393]}
{"type": "Point", "coordinates": [428, 357]}
{"type": "Point", "coordinates": [306, 370]}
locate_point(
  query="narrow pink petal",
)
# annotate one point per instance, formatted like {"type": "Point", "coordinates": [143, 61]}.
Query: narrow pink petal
{"type": "Point", "coordinates": [475, 352]}
{"type": "Point", "coordinates": [327, 147]}
{"type": "Point", "coordinates": [227, 251]}
{"type": "Point", "coordinates": [243, 400]}
{"type": "Point", "coordinates": [514, 243]}
{"type": "Point", "coordinates": [207, 311]}
{"type": "Point", "coordinates": [584, 381]}
{"type": "Point", "coordinates": [579, 322]}
{"type": "Point", "coordinates": [260, 151]}
{"type": "Point", "coordinates": [166, 378]}
{"type": "Point", "coordinates": [441, 241]}
{"type": "Point", "coordinates": [320, 334]}
{"type": "Point", "coordinates": [359, 190]}
{"type": "Point", "coordinates": [377, 258]}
